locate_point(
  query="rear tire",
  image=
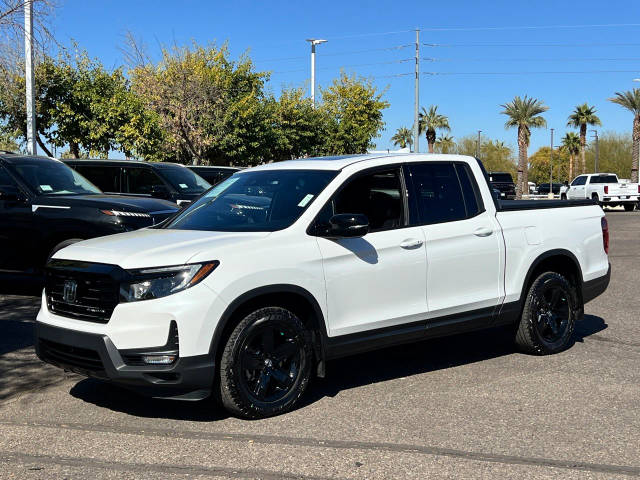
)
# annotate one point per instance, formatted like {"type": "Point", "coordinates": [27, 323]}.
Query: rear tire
{"type": "Point", "coordinates": [548, 318]}
{"type": "Point", "coordinates": [266, 364]}
{"type": "Point", "coordinates": [629, 207]}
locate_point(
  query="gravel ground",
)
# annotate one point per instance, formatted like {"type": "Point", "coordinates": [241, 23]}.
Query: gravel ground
{"type": "Point", "coordinates": [462, 407]}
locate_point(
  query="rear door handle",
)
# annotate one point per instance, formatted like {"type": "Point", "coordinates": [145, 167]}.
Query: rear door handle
{"type": "Point", "coordinates": [410, 243]}
{"type": "Point", "coordinates": [482, 232]}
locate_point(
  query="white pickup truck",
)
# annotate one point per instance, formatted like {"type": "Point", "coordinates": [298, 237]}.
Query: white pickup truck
{"type": "Point", "coordinates": [280, 268]}
{"type": "Point", "coordinates": [604, 188]}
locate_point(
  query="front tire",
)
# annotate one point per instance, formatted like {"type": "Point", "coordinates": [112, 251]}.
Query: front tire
{"type": "Point", "coordinates": [563, 196]}
{"type": "Point", "coordinates": [549, 315]}
{"type": "Point", "coordinates": [266, 364]}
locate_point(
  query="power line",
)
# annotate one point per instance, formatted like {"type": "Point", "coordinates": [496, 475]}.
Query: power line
{"type": "Point", "coordinates": [354, 52]}
{"type": "Point", "coordinates": [337, 67]}
{"type": "Point", "coordinates": [530, 72]}
{"type": "Point", "coordinates": [522, 59]}
{"type": "Point", "coordinates": [531, 27]}
{"type": "Point", "coordinates": [531, 44]}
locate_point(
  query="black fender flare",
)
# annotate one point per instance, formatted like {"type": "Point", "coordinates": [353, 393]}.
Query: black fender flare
{"type": "Point", "coordinates": [280, 288]}
{"type": "Point", "coordinates": [556, 252]}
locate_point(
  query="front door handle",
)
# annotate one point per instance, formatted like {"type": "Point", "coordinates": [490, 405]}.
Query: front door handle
{"type": "Point", "coordinates": [410, 243]}
{"type": "Point", "coordinates": [482, 232]}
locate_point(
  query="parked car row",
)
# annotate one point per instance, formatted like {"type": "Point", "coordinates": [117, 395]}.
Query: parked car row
{"type": "Point", "coordinates": [605, 189]}
{"type": "Point", "coordinates": [45, 205]}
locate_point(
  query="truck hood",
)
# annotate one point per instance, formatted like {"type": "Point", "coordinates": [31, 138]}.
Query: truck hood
{"type": "Point", "coordinates": [110, 202]}
{"type": "Point", "coordinates": [155, 247]}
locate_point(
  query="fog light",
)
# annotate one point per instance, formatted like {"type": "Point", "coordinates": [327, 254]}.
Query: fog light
{"type": "Point", "coordinates": [159, 359]}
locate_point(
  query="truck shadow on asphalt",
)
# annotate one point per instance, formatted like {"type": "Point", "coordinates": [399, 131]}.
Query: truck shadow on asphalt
{"type": "Point", "coordinates": [350, 372]}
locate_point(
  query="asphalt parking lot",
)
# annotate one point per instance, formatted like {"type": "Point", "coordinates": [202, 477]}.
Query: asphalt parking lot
{"type": "Point", "coordinates": [461, 407]}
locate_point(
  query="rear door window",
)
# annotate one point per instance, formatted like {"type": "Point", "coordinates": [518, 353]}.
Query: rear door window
{"type": "Point", "coordinates": [438, 193]}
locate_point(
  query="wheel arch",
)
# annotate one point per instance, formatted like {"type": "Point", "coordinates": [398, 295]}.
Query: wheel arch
{"type": "Point", "coordinates": [299, 300]}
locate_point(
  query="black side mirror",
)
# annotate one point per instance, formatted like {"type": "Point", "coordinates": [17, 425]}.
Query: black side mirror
{"type": "Point", "coordinates": [9, 194]}
{"type": "Point", "coordinates": [348, 225]}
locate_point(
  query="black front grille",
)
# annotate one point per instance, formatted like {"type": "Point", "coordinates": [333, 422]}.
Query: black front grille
{"type": "Point", "coordinates": [79, 360]}
{"type": "Point", "coordinates": [94, 299]}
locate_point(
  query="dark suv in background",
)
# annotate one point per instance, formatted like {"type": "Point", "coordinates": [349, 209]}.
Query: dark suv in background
{"type": "Point", "coordinates": [503, 183]}
{"type": "Point", "coordinates": [168, 181]}
{"type": "Point", "coordinates": [213, 174]}
{"type": "Point", "coordinates": [45, 206]}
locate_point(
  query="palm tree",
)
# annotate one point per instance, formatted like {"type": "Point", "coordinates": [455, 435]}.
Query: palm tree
{"type": "Point", "coordinates": [631, 101]}
{"type": "Point", "coordinates": [403, 138]}
{"type": "Point", "coordinates": [571, 144]}
{"type": "Point", "coordinates": [524, 113]}
{"type": "Point", "coordinates": [583, 116]}
{"type": "Point", "coordinates": [445, 144]}
{"type": "Point", "coordinates": [429, 121]}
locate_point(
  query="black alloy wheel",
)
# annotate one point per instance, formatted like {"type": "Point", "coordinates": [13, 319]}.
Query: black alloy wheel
{"type": "Point", "coordinates": [550, 311]}
{"type": "Point", "coordinates": [266, 363]}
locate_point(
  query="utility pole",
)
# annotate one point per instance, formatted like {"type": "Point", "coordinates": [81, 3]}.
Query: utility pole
{"type": "Point", "coordinates": [550, 168]}
{"type": "Point", "coordinates": [597, 159]}
{"type": "Point", "coordinates": [314, 42]}
{"type": "Point", "coordinates": [416, 98]}
{"type": "Point", "coordinates": [28, 74]}
{"type": "Point", "coordinates": [478, 145]}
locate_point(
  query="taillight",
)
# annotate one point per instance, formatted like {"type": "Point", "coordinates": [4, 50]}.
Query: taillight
{"type": "Point", "coordinates": [606, 189]}
{"type": "Point", "coordinates": [639, 188]}
{"type": "Point", "coordinates": [605, 234]}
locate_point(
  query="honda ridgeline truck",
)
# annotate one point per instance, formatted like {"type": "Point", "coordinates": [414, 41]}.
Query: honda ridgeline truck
{"type": "Point", "coordinates": [251, 289]}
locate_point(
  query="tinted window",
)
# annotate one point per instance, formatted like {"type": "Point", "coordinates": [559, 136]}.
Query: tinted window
{"type": "Point", "coordinates": [51, 177]}
{"type": "Point", "coordinates": [105, 178]}
{"type": "Point", "coordinates": [255, 201]}
{"type": "Point", "coordinates": [182, 179]}
{"type": "Point", "coordinates": [142, 181]}
{"type": "Point", "coordinates": [578, 181]}
{"type": "Point", "coordinates": [604, 179]}
{"type": "Point", "coordinates": [5, 179]}
{"type": "Point", "coordinates": [438, 193]}
{"type": "Point", "coordinates": [500, 178]}
{"type": "Point", "coordinates": [377, 195]}
{"type": "Point", "coordinates": [470, 192]}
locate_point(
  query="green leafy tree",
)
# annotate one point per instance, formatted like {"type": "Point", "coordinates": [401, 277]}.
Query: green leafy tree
{"type": "Point", "coordinates": [582, 117]}
{"type": "Point", "coordinates": [8, 142]}
{"type": "Point", "coordinates": [571, 144]}
{"type": "Point", "coordinates": [429, 121]}
{"type": "Point", "coordinates": [445, 144]}
{"type": "Point", "coordinates": [631, 101]}
{"type": "Point", "coordinates": [403, 138]}
{"type": "Point", "coordinates": [524, 114]}
{"type": "Point", "coordinates": [495, 155]}
{"type": "Point", "coordinates": [539, 166]}
{"type": "Point", "coordinates": [353, 107]}
{"type": "Point", "coordinates": [615, 154]}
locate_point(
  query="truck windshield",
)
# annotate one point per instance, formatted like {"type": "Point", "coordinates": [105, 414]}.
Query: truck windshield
{"type": "Point", "coordinates": [51, 177]}
{"type": "Point", "coordinates": [260, 201]}
{"type": "Point", "coordinates": [183, 179]}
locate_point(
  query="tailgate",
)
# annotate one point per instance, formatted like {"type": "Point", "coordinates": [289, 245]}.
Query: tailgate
{"type": "Point", "coordinates": [622, 189]}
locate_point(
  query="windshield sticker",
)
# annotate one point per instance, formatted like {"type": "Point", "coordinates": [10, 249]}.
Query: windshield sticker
{"type": "Point", "coordinates": [305, 200]}
{"type": "Point", "coordinates": [183, 185]}
{"type": "Point", "coordinates": [46, 188]}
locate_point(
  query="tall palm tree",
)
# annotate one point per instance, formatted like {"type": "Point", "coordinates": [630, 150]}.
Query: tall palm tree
{"type": "Point", "coordinates": [571, 144]}
{"type": "Point", "coordinates": [583, 116]}
{"type": "Point", "coordinates": [429, 121]}
{"type": "Point", "coordinates": [524, 113]}
{"type": "Point", "coordinates": [445, 144]}
{"type": "Point", "coordinates": [631, 101]}
{"type": "Point", "coordinates": [403, 138]}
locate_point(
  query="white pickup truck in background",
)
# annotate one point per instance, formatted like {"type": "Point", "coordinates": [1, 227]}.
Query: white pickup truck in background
{"type": "Point", "coordinates": [604, 188]}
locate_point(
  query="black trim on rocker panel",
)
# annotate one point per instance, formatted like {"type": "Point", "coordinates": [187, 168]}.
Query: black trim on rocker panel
{"type": "Point", "coordinates": [353, 343]}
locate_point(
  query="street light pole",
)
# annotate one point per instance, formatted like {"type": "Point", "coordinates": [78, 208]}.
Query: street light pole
{"type": "Point", "coordinates": [29, 79]}
{"type": "Point", "coordinates": [478, 145]}
{"type": "Point", "coordinates": [416, 97]}
{"type": "Point", "coordinates": [597, 159]}
{"type": "Point", "coordinates": [314, 42]}
{"type": "Point", "coordinates": [550, 168]}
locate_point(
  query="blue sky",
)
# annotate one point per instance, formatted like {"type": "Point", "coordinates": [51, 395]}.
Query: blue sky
{"type": "Point", "coordinates": [473, 41]}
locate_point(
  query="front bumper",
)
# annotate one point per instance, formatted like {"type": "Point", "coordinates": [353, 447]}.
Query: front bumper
{"type": "Point", "coordinates": [95, 355]}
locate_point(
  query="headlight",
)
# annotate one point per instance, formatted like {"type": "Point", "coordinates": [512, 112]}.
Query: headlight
{"type": "Point", "coordinates": [150, 283]}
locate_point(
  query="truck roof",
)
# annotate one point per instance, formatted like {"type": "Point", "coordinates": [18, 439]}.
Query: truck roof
{"type": "Point", "coordinates": [339, 162]}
